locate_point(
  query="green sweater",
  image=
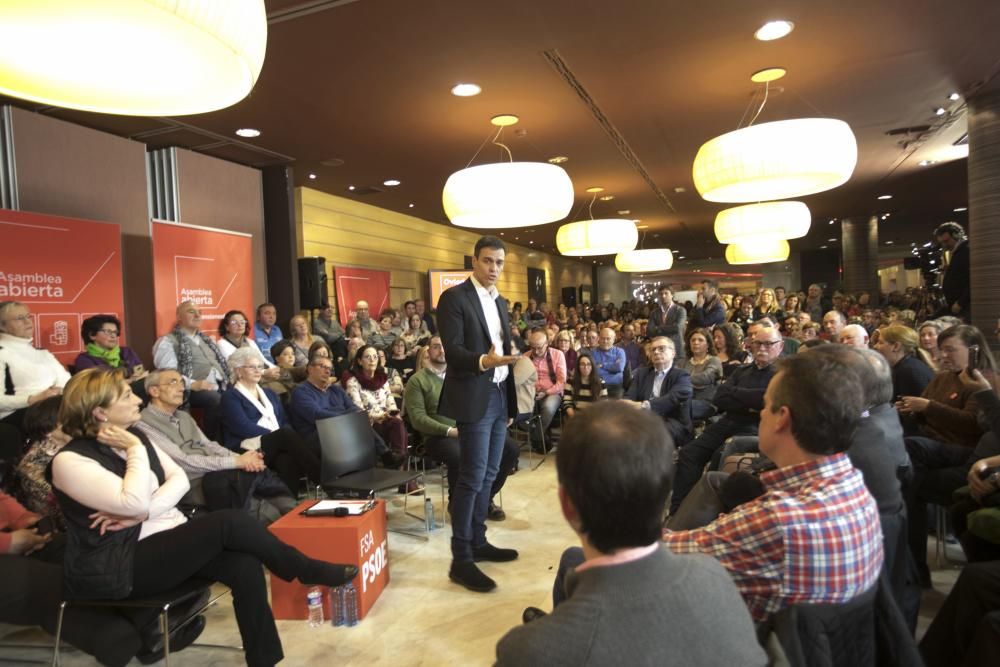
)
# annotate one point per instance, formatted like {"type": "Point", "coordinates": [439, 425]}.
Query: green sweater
{"type": "Point", "coordinates": [423, 391]}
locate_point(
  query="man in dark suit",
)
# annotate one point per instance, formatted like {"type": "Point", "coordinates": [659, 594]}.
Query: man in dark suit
{"type": "Point", "coordinates": [664, 389]}
{"type": "Point", "coordinates": [955, 284]}
{"type": "Point", "coordinates": [668, 319]}
{"type": "Point", "coordinates": [478, 394]}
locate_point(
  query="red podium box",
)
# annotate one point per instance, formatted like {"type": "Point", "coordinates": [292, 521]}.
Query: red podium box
{"type": "Point", "coordinates": [352, 540]}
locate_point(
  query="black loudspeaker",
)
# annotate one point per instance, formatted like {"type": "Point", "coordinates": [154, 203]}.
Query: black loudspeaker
{"type": "Point", "coordinates": [312, 282]}
{"type": "Point", "coordinates": [911, 263]}
{"type": "Point", "coordinates": [569, 297]}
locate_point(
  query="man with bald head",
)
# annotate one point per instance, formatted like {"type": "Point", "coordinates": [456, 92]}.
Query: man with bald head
{"type": "Point", "coordinates": [740, 400]}
{"type": "Point", "coordinates": [364, 320]}
{"type": "Point", "coordinates": [855, 336]}
{"type": "Point", "coordinates": [833, 322]}
{"type": "Point", "coordinates": [609, 362]}
{"type": "Point", "coordinates": [550, 365]}
{"type": "Point", "coordinates": [198, 359]}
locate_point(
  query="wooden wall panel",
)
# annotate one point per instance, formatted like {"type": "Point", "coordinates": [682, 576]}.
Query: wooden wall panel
{"type": "Point", "coordinates": [350, 233]}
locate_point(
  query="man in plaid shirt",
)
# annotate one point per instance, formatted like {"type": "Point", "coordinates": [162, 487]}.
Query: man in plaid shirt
{"type": "Point", "coordinates": [814, 535]}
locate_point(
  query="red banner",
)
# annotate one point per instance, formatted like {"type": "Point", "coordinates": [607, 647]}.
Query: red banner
{"type": "Point", "coordinates": [64, 270]}
{"type": "Point", "coordinates": [354, 285]}
{"type": "Point", "coordinates": [211, 267]}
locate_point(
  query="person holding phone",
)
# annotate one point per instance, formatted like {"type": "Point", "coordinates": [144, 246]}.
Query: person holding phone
{"type": "Point", "coordinates": [367, 383]}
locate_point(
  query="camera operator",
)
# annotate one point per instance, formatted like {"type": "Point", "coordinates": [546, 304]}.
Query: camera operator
{"type": "Point", "coordinates": [955, 283]}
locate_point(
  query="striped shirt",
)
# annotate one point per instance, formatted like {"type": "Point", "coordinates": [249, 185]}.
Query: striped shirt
{"type": "Point", "coordinates": [813, 537]}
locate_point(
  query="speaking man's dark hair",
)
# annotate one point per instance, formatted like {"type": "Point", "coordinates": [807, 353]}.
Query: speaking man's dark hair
{"type": "Point", "coordinates": [489, 242]}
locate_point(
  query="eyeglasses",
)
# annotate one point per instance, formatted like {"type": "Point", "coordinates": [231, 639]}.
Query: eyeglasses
{"type": "Point", "coordinates": [325, 367]}
{"type": "Point", "coordinates": [19, 318]}
{"type": "Point", "coordinates": [109, 332]}
{"type": "Point", "coordinates": [170, 383]}
{"type": "Point", "coordinates": [369, 357]}
{"type": "Point", "coordinates": [659, 348]}
{"type": "Point", "coordinates": [241, 323]}
{"type": "Point", "coordinates": [764, 343]}
{"type": "Point", "coordinates": [255, 367]}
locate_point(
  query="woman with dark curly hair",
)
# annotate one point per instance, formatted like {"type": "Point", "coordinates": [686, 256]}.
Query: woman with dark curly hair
{"type": "Point", "coordinates": [728, 340]}
{"type": "Point", "coordinates": [101, 334]}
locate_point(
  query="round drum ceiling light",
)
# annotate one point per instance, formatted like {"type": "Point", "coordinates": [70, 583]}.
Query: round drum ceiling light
{"type": "Point", "coordinates": [779, 160]}
{"type": "Point", "coordinates": [466, 90]}
{"type": "Point", "coordinates": [606, 236]}
{"type": "Point", "coordinates": [644, 261]}
{"type": "Point", "coordinates": [133, 57]}
{"type": "Point", "coordinates": [774, 30]}
{"type": "Point", "coordinates": [507, 194]}
{"type": "Point", "coordinates": [761, 251]}
{"type": "Point", "coordinates": [768, 74]}
{"type": "Point", "coordinates": [774, 220]}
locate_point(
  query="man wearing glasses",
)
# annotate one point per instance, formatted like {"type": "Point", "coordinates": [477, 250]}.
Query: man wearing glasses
{"type": "Point", "coordinates": [664, 389]}
{"type": "Point", "coordinates": [741, 399]}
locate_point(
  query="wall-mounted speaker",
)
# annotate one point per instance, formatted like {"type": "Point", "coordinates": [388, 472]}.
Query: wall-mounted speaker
{"type": "Point", "coordinates": [312, 282]}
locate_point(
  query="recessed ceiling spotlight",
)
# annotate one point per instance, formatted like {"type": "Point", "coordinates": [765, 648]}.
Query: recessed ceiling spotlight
{"type": "Point", "coordinates": [624, 211]}
{"type": "Point", "coordinates": [466, 90]}
{"type": "Point", "coordinates": [768, 74]}
{"type": "Point", "coordinates": [517, 238]}
{"type": "Point", "coordinates": [392, 182]}
{"type": "Point", "coordinates": [410, 206]}
{"type": "Point", "coordinates": [888, 242]}
{"type": "Point", "coordinates": [885, 196]}
{"type": "Point", "coordinates": [675, 251]}
{"type": "Point", "coordinates": [832, 221]}
{"type": "Point", "coordinates": [312, 177]}
{"type": "Point", "coordinates": [823, 247]}
{"type": "Point", "coordinates": [961, 208]}
{"type": "Point", "coordinates": [642, 227]}
{"type": "Point", "coordinates": [831, 240]}
{"type": "Point", "coordinates": [680, 257]}
{"type": "Point", "coordinates": [248, 132]}
{"type": "Point", "coordinates": [606, 197]}
{"type": "Point", "coordinates": [940, 111]}
{"type": "Point", "coordinates": [774, 30]}
{"type": "Point", "coordinates": [559, 159]}
{"type": "Point", "coordinates": [531, 243]}
{"type": "Point", "coordinates": [680, 190]}
{"type": "Point", "coordinates": [927, 163]}
{"type": "Point", "coordinates": [954, 97]}
{"type": "Point", "coordinates": [351, 188]}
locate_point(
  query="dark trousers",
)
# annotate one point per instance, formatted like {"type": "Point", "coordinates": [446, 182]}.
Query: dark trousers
{"type": "Point", "coordinates": [938, 469]}
{"type": "Point", "coordinates": [966, 631]}
{"type": "Point", "coordinates": [446, 451]}
{"type": "Point", "coordinates": [30, 595]}
{"type": "Point", "coordinates": [570, 559]}
{"type": "Point", "coordinates": [393, 431]}
{"type": "Point", "coordinates": [481, 444]}
{"type": "Point", "coordinates": [290, 457]}
{"type": "Point", "coordinates": [208, 402]}
{"type": "Point", "coordinates": [696, 454]}
{"type": "Point", "coordinates": [228, 547]}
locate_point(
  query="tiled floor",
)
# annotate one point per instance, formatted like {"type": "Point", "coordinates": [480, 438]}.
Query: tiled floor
{"type": "Point", "coordinates": [422, 618]}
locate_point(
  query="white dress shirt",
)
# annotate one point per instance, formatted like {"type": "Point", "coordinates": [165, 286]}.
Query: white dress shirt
{"type": "Point", "coordinates": [488, 301]}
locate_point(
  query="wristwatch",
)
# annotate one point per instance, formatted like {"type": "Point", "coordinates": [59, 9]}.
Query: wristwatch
{"type": "Point", "coordinates": [994, 479]}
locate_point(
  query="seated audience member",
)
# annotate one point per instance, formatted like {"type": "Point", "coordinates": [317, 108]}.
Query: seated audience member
{"type": "Point", "coordinates": [29, 374]}
{"type": "Point", "coordinates": [234, 333]}
{"type": "Point", "coordinates": [550, 364]}
{"type": "Point", "coordinates": [301, 339]}
{"type": "Point", "coordinates": [289, 375]}
{"type": "Point", "coordinates": [584, 387]}
{"type": "Point", "coordinates": [633, 351]}
{"type": "Point", "coordinates": [440, 434]}
{"type": "Point", "coordinates": [740, 399]}
{"type": "Point", "coordinates": [428, 319]}
{"type": "Point", "coordinates": [833, 322]}
{"type": "Point", "coordinates": [265, 332]}
{"type": "Point", "coordinates": [910, 372]}
{"type": "Point", "coordinates": [318, 398]}
{"type": "Point", "coordinates": [396, 381]}
{"type": "Point", "coordinates": [383, 337]}
{"type": "Point", "coordinates": [368, 387]}
{"type": "Point", "coordinates": [664, 389]}
{"type": "Point", "coordinates": [326, 326]}
{"type": "Point", "coordinates": [45, 437]}
{"type": "Point", "coordinates": [101, 334]}
{"type": "Point", "coordinates": [564, 343]}
{"type": "Point", "coordinates": [728, 339]}
{"type": "Point", "coordinates": [366, 325]}
{"type": "Point", "coordinates": [966, 630]}
{"type": "Point", "coordinates": [525, 379]}
{"type": "Point", "coordinates": [590, 340]}
{"type": "Point", "coordinates": [701, 364]}
{"type": "Point", "coordinates": [253, 419]}
{"type": "Point", "coordinates": [402, 359]}
{"type": "Point", "coordinates": [198, 359]}
{"type": "Point", "coordinates": [622, 602]}
{"type": "Point", "coordinates": [416, 334]}
{"type": "Point", "coordinates": [855, 336]}
{"type": "Point", "coordinates": [928, 333]}
{"type": "Point", "coordinates": [319, 348]}
{"type": "Point", "coordinates": [213, 470]}
{"type": "Point", "coordinates": [782, 548]}
{"type": "Point", "coordinates": [118, 493]}
{"type": "Point", "coordinates": [610, 362]}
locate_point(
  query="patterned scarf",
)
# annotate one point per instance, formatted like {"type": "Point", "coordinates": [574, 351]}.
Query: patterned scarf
{"type": "Point", "coordinates": [185, 362]}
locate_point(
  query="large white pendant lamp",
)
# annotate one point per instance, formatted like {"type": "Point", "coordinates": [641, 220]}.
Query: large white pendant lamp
{"type": "Point", "coordinates": [134, 57]}
{"type": "Point", "coordinates": [761, 251]}
{"type": "Point", "coordinates": [507, 194]}
{"type": "Point", "coordinates": [606, 236]}
{"type": "Point", "coordinates": [779, 160]}
{"type": "Point", "coordinates": [775, 219]}
{"type": "Point", "coordinates": [644, 261]}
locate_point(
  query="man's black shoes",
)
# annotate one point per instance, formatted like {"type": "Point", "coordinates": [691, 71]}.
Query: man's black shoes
{"type": "Point", "coordinates": [467, 574]}
{"type": "Point", "coordinates": [488, 552]}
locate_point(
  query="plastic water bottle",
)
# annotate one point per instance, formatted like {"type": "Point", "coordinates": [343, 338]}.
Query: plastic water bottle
{"type": "Point", "coordinates": [429, 522]}
{"type": "Point", "coordinates": [337, 605]}
{"type": "Point", "coordinates": [350, 605]}
{"type": "Point", "coordinates": [315, 599]}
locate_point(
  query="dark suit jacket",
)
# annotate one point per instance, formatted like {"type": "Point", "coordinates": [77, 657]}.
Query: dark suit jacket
{"type": "Point", "coordinates": [466, 338]}
{"type": "Point", "coordinates": [956, 278]}
{"type": "Point", "coordinates": [670, 324]}
{"type": "Point", "coordinates": [674, 402]}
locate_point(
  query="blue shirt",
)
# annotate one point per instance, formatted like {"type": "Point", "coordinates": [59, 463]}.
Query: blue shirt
{"type": "Point", "coordinates": [265, 341]}
{"type": "Point", "coordinates": [610, 364]}
{"type": "Point", "coordinates": [307, 404]}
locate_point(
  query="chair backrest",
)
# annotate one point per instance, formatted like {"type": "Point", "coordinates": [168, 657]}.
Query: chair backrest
{"type": "Point", "coordinates": [346, 445]}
